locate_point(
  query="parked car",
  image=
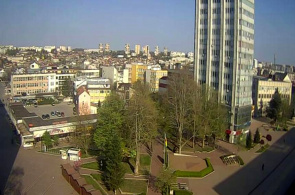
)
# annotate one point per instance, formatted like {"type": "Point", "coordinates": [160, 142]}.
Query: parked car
{"type": "Point", "coordinates": [47, 116]}
{"type": "Point", "coordinates": [57, 113]}
{"type": "Point", "coordinates": [62, 114]}
{"type": "Point", "coordinates": [52, 104]}
{"type": "Point", "coordinates": [43, 116]}
{"type": "Point", "coordinates": [52, 113]}
{"type": "Point", "coordinates": [35, 105]}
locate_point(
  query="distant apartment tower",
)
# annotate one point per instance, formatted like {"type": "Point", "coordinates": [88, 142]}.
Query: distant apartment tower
{"type": "Point", "coordinates": [137, 49]}
{"type": "Point", "coordinates": [127, 48]}
{"type": "Point", "coordinates": [100, 48]}
{"type": "Point", "coordinates": [224, 48]}
{"type": "Point", "coordinates": [107, 47]}
{"type": "Point", "coordinates": [157, 50]}
{"type": "Point", "coordinates": [165, 51]}
{"type": "Point", "coordinates": [146, 51]}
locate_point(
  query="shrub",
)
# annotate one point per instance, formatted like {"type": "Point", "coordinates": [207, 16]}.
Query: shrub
{"type": "Point", "coordinates": [182, 192]}
{"type": "Point", "coordinates": [249, 140]}
{"type": "Point", "coordinates": [240, 160]}
{"type": "Point", "coordinates": [268, 137]}
{"type": "Point", "coordinates": [201, 173]}
{"type": "Point", "coordinates": [262, 142]}
{"type": "Point", "coordinates": [257, 137]}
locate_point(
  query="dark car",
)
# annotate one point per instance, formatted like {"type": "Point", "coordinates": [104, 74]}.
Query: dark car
{"type": "Point", "coordinates": [52, 113]}
{"type": "Point", "coordinates": [47, 116]}
{"type": "Point", "coordinates": [35, 105]}
{"type": "Point", "coordinates": [43, 116]}
{"type": "Point", "coordinates": [62, 114]}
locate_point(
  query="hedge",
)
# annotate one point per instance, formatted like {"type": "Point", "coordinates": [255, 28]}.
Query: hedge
{"type": "Point", "coordinates": [201, 173]}
{"type": "Point", "coordinates": [182, 192]}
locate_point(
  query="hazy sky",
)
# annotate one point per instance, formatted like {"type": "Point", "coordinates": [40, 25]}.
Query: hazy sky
{"type": "Point", "coordinates": [170, 23]}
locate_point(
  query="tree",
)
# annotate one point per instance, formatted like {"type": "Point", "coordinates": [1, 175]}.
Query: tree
{"type": "Point", "coordinates": [257, 136]}
{"type": "Point", "coordinates": [113, 171]}
{"type": "Point", "coordinates": [177, 97]}
{"type": "Point", "coordinates": [274, 108]}
{"type": "Point", "coordinates": [46, 138]}
{"type": "Point", "coordinates": [56, 140]}
{"type": "Point", "coordinates": [67, 88]}
{"type": "Point", "coordinates": [164, 180]}
{"type": "Point", "coordinates": [83, 136]}
{"type": "Point", "coordinates": [142, 116]}
{"type": "Point", "coordinates": [249, 140]}
{"type": "Point", "coordinates": [110, 119]}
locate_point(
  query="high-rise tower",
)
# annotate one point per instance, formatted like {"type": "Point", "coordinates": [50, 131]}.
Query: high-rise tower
{"type": "Point", "coordinates": [224, 49]}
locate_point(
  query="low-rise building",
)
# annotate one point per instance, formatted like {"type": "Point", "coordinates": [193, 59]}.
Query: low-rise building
{"type": "Point", "coordinates": [263, 90]}
{"type": "Point", "coordinates": [83, 101]}
{"type": "Point", "coordinates": [153, 75]}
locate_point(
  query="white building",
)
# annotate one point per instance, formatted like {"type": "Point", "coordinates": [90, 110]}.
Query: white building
{"type": "Point", "coordinates": [127, 48]}
{"type": "Point", "coordinates": [107, 47]}
{"type": "Point", "coordinates": [49, 48]}
{"type": "Point", "coordinates": [157, 51]}
{"type": "Point", "coordinates": [110, 72]}
{"type": "Point", "coordinates": [100, 48]}
{"type": "Point", "coordinates": [224, 52]}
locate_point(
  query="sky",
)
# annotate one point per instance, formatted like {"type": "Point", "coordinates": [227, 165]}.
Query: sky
{"type": "Point", "coordinates": [166, 23]}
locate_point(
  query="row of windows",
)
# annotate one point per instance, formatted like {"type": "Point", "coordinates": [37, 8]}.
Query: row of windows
{"type": "Point", "coordinates": [31, 91]}
{"type": "Point", "coordinates": [35, 78]}
{"type": "Point", "coordinates": [247, 24]}
{"type": "Point", "coordinates": [227, 87]}
{"type": "Point", "coordinates": [246, 34]}
{"type": "Point", "coordinates": [247, 13]}
{"type": "Point", "coordinates": [246, 45]}
{"type": "Point", "coordinates": [230, 10]}
{"type": "Point", "coordinates": [269, 96]}
{"type": "Point", "coordinates": [30, 85]}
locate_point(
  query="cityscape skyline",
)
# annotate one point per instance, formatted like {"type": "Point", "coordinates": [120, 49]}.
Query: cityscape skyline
{"type": "Point", "coordinates": [166, 24]}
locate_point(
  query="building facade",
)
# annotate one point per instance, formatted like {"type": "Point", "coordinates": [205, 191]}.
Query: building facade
{"type": "Point", "coordinates": [137, 49]}
{"type": "Point", "coordinates": [224, 48]}
{"type": "Point", "coordinates": [153, 76]}
{"type": "Point", "coordinates": [264, 89]}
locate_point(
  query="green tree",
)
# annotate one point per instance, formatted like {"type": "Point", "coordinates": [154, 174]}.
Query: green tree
{"type": "Point", "coordinates": [249, 140]}
{"type": "Point", "coordinates": [46, 139]}
{"type": "Point", "coordinates": [257, 136]}
{"type": "Point", "coordinates": [274, 108]}
{"type": "Point", "coordinates": [56, 140]}
{"type": "Point", "coordinates": [110, 118]}
{"type": "Point", "coordinates": [113, 171]}
{"type": "Point", "coordinates": [164, 180]}
{"type": "Point", "coordinates": [142, 118]}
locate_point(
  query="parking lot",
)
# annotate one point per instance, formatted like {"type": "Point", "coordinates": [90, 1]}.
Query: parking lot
{"type": "Point", "coordinates": [47, 109]}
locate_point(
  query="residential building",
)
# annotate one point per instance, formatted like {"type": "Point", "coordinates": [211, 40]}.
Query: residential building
{"type": "Point", "coordinates": [107, 47]}
{"type": "Point", "coordinates": [163, 85]}
{"type": "Point", "coordinates": [146, 51]}
{"type": "Point", "coordinates": [88, 73]}
{"type": "Point", "coordinates": [224, 52]}
{"type": "Point", "coordinates": [138, 71]}
{"type": "Point", "coordinates": [127, 48]}
{"type": "Point", "coordinates": [83, 101]}
{"type": "Point", "coordinates": [157, 51]}
{"type": "Point", "coordinates": [110, 72]}
{"type": "Point", "coordinates": [49, 48]}
{"type": "Point", "coordinates": [69, 49]}
{"type": "Point", "coordinates": [137, 49]}
{"type": "Point", "coordinates": [100, 48]}
{"type": "Point", "coordinates": [264, 89]}
{"type": "Point", "coordinates": [63, 48]}
{"type": "Point", "coordinates": [153, 75]}
{"type": "Point", "coordinates": [98, 89]}
{"type": "Point", "coordinates": [165, 51]}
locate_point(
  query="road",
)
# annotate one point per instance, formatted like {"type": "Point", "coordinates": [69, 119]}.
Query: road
{"type": "Point", "coordinates": [25, 171]}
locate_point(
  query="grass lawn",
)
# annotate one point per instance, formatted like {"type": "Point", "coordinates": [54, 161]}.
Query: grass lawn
{"type": "Point", "coordinates": [92, 165]}
{"type": "Point", "coordinates": [134, 186]}
{"type": "Point", "coordinates": [201, 173]}
{"type": "Point", "coordinates": [182, 192]}
{"type": "Point", "coordinates": [262, 149]}
{"type": "Point", "coordinates": [97, 177]}
{"type": "Point", "coordinates": [89, 180]}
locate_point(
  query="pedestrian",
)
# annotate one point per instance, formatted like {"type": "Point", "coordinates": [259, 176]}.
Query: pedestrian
{"type": "Point", "coordinates": [262, 167]}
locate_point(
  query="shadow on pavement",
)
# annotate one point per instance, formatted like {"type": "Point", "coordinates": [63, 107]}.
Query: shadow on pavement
{"type": "Point", "coordinates": [253, 175]}
{"type": "Point", "coordinates": [8, 152]}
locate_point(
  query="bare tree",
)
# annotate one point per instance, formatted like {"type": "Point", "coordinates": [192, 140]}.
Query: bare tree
{"type": "Point", "coordinates": [179, 89]}
{"type": "Point", "coordinates": [142, 117]}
